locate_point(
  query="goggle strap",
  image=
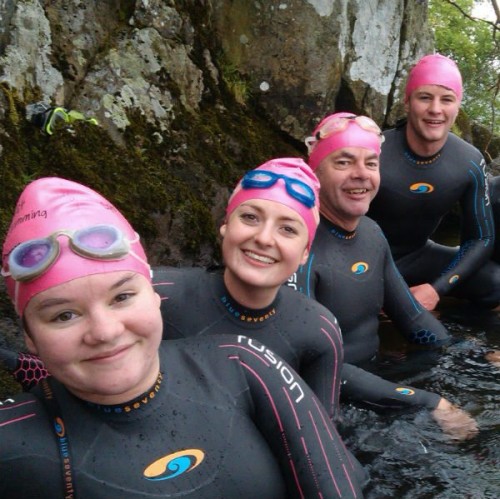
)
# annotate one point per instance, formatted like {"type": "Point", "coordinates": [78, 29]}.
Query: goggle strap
{"type": "Point", "coordinates": [16, 297]}
{"type": "Point", "coordinates": [139, 259]}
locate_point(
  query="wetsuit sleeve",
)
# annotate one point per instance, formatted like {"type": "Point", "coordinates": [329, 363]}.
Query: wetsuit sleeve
{"type": "Point", "coordinates": [494, 183]}
{"type": "Point", "coordinates": [361, 386]}
{"type": "Point", "coordinates": [310, 453]}
{"type": "Point", "coordinates": [27, 369]}
{"type": "Point", "coordinates": [477, 233]}
{"type": "Point", "coordinates": [417, 324]}
{"type": "Point", "coordinates": [169, 283]}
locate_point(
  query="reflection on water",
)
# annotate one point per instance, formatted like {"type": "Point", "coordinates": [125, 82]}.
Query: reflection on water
{"type": "Point", "coordinates": [406, 454]}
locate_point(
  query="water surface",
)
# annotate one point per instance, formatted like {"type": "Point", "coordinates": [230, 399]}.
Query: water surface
{"type": "Point", "coordinates": [406, 453]}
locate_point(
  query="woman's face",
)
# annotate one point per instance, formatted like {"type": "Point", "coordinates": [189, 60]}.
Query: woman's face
{"type": "Point", "coordinates": [264, 242]}
{"type": "Point", "coordinates": [99, 335]}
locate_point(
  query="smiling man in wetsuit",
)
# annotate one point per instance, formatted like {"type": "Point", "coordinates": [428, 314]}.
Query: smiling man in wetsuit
{"type": "Point", "coordinates": [351, 272]}
{"type": "Point", "coordinates": [426, 171]}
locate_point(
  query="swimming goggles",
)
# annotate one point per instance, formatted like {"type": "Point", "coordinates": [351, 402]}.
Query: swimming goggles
{"type": "Point", "coordinates": [263, 179]}
{"type": "Point", "coordinates": [32, 258]}
{"type": "Point", "coordinates": [339, 124]}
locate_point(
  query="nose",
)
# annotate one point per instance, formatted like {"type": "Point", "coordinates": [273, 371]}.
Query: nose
{"type": "Point", "coordinates": [264, 235]}
{"type": "Point", "coordinates": [435, 106]}
{"type": "Point", "coordinates": [103, 327]}
{"type": "Point", "coordinates": [360, 170]}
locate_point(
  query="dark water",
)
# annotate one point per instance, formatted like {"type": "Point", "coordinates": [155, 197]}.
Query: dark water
{"type": "Point", "coordinates": [406, 453]}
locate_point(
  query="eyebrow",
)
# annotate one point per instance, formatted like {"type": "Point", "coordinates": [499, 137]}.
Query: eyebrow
{"type": "Point", "coordinates": [260, 211]}
{"type": "Point", "coordinates": [348, 155]}
{"type": "Point", "coordinates": [123, 281]}
{"type": "Point", "coordinates": [52, 302]}
{"type": "Point", "coordinates": [345, 154]}
{"type": "Point", "coordinates": [448, 93]}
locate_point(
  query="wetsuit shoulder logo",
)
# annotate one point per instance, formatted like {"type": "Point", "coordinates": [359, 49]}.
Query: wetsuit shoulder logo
{"type": "Point", "coordinates": [405, 391]}
{"type": "Point", "coordinates": [453, 279]}
{"type": "Point", "coordinates": [173, 465]}
{"type": "Point", "coordinates": [421, 188]}
{"type": "Point", "coordinates": [359, 268]}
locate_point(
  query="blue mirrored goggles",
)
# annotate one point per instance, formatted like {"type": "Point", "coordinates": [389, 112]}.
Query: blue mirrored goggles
{"type": "Point", "coordinates": [263, 179]}
{"type": "Point", "coordinates": [32, 258]}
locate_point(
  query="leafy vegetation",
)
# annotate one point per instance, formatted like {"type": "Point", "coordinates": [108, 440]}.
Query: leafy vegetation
{"type": "Point", "coordinates": [474, 44]}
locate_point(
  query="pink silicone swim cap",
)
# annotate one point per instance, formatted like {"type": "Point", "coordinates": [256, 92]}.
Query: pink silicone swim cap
{"type": "Point", "coordinates": [295, 169]}
{"type": "Point", "coordinates": [435, 69]}
{"type": "Point", "coordinates": [51, 204]}
{"type": "Point", "coordinates": [353, 131]}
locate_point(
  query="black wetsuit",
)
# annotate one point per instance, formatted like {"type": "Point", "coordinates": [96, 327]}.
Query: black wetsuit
{"type": "Point", "coordinates": [354, 276]}
{"type": "Point", "coordinates": [195, 301]}
{"type": "Point", "coordinates": [415, 194]}
{"type": "Point", "coordinates": [229, 420]}
{"type": "Point", "coordinates": [494, 183]}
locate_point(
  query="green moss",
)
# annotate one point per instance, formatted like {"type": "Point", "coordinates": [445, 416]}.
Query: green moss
{"type": "Point", "coordinates": [8, 386]}
{"type": "Point", "coordinates": [11, 96]}
{"type": "Point", "coordinates": [180, 175]}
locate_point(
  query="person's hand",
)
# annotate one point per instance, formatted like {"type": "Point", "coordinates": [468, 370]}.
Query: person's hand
{"type": "Point", "coordinates": [455, 422]}
{"type": "Point", "coordinates": [493, 356]}
{"type": "Point", "coordinates": [426, 295]}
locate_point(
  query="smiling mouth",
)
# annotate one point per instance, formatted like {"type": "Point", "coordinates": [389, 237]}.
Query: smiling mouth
{"type": "Point", "coordinates": [434, 122]}
{"type": "Point", "coordinates": [259, 258]}
{"type": "Point", "coordinates": [108, 355]}
{"type": "Point", "coordinates": [356, 191]}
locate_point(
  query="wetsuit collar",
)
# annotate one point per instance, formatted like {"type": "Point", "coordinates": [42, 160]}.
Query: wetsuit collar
{"type": "Point", "coordinates": [243, 314]}
{"type": "Point", "coordinates": [133, 405]}
{"type": "Point", "coordinates": [417, 159]}
{"type": "Point", "coordinates": [337, 231]}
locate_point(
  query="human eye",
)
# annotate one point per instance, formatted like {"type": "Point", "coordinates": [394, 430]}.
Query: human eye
{"type": "Point", "coordinates": [248, 217]}
{"type": "Point", "coordinates": [122, 297]}
{"type": "Point", "coordinates": [372, 165]}
{"type": "Point", "coordinates": [288, 229]}
{"type": "Point", "coordinates": [65, 316]}
{"type": "Point", "coordinates": [342, 164]}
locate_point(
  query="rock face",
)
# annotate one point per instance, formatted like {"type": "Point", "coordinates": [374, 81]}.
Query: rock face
{"type": "Point", "coordinates": [188, 95]}
{"type": "Point", "coordinates": [303, 59]}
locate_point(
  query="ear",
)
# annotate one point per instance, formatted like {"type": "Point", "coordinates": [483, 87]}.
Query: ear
{"type": "Point", "coordinates": [223, 228]}
{"type": "Point", "coordinates": [30, 344]}
{"type": "Point", "coordinates": [407, 105]}
{"type": "Point", "coordinates": [305, 256]}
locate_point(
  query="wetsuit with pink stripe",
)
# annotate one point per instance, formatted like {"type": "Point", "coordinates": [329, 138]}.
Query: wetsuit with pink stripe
{"type": "Point", "coordinates": [354, 276]}
{"type": "Point", "coordinates": [196, 302]}
{"type": "Point", "coordinates": [226, 418]}
{"type": "Point", "coordinates": [415, 194]}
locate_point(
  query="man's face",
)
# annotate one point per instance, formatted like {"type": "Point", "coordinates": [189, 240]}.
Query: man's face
{"type": "Point", "coordinates": [432, 110]}
{"type": "Point", "coordinates": [349, 178]}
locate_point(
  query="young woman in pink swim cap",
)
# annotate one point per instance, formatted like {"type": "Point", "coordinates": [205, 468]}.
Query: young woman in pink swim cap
{"type": "Point", "coordinates": [271, 219]}
{"type": "Point", "coordinates": [126, 415]}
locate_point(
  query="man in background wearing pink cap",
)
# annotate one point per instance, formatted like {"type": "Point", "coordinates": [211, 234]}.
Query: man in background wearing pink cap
{"type": "Point", "coordinates": [351, 272]}
{"type": "Point", "coordinates": [426, 171]}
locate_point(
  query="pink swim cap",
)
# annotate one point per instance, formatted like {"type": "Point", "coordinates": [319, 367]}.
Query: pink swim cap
{"type": "Point", "coordinates": [51, 204]}
{"type": "Point", "coordinates": [342, 130]}
{"type": "Point", "coordinates": [435, 69]}
{"type": "Point", "coordinates": [296, 170]}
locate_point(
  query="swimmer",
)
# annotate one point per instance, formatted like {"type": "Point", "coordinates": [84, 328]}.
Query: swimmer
{"type": "Point", "coordinates": [426, 171]}
{"type": "Point", "coordinates": [351, 272]}
{"type": "Point", "coordinates": [124, 414]}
